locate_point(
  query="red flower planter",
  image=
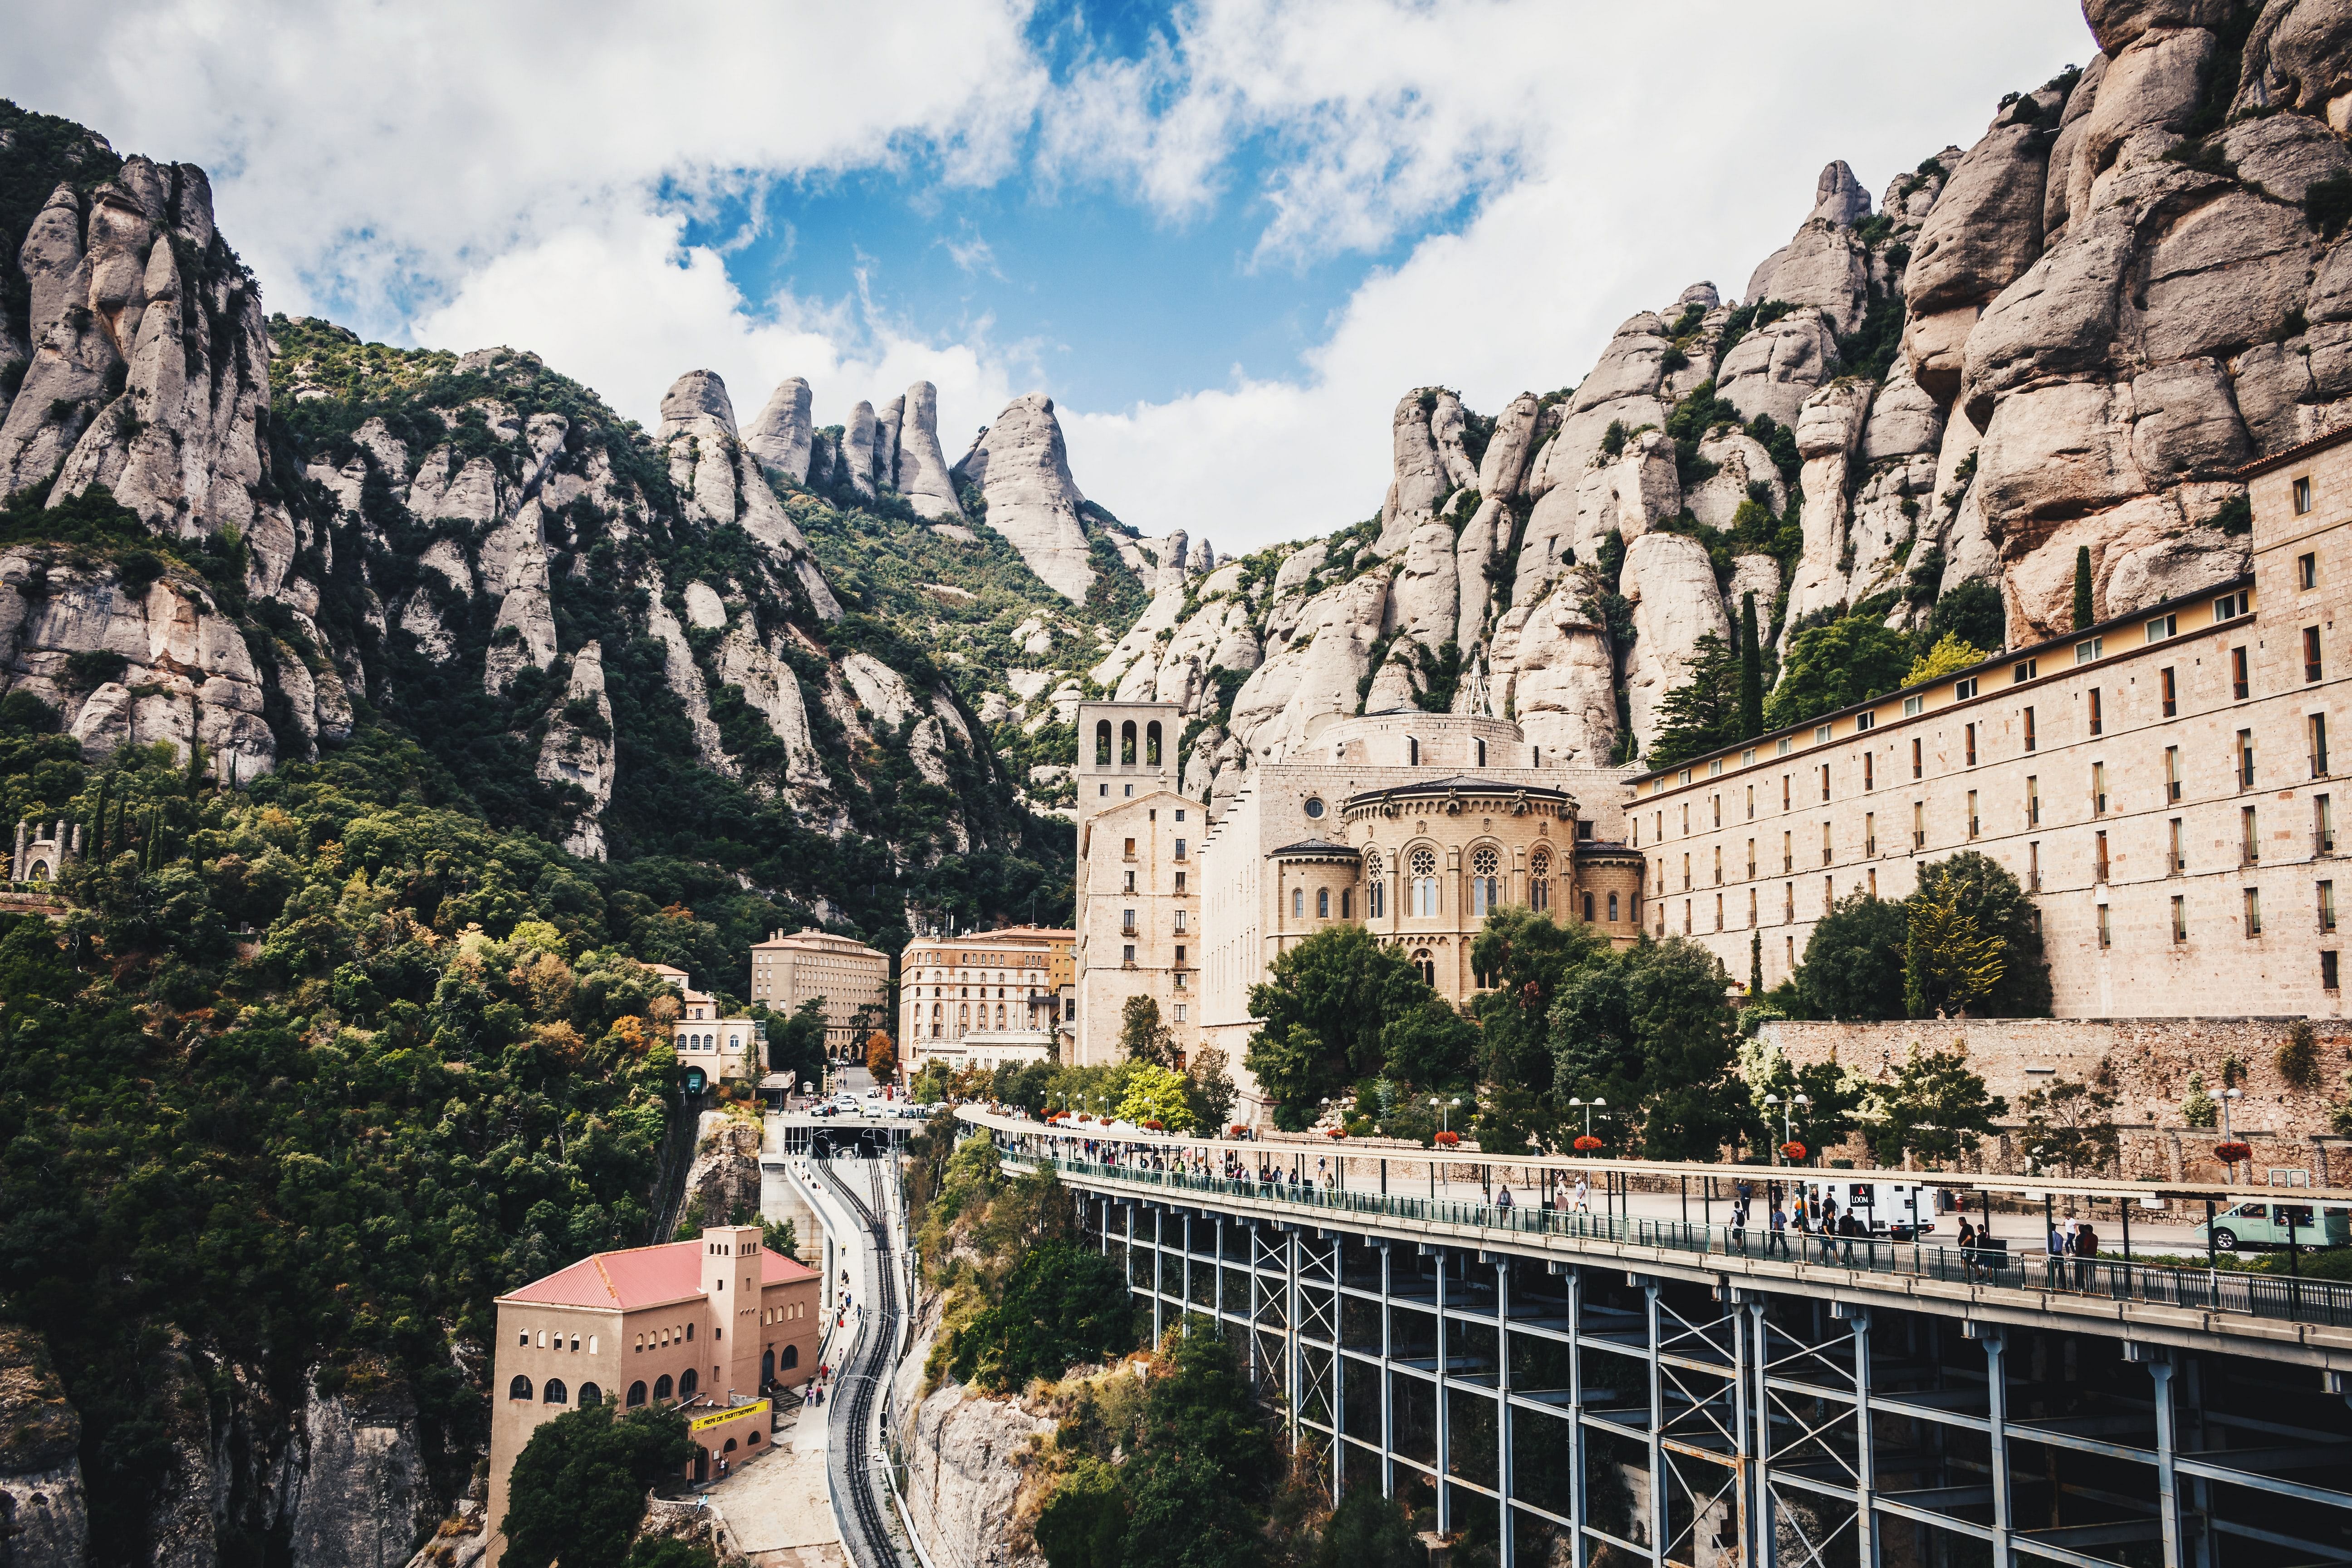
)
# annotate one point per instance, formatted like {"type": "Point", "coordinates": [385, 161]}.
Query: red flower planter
{"type": "Point", "coordinates": [1448, 1140]}
{"type": "Point", "coordinates": [1237, 1131]}
{"type": "Point", "coordinates": [1793, 1150]}
{"type": "Point", "coordinates": [1585, 1144]}
{"type": "Point", "coordinates": [1153, 1127]}
{"type": "Point", "coordinates": [2231, 1154]}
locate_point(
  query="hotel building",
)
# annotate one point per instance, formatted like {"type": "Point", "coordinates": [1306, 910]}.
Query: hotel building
{"type": "Point", "coordinates": [843, 975]}
{"type": "Point", "coordinates": [985, 998]}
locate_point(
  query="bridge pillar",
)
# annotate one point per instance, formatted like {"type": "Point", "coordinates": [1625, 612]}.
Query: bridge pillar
{"type": "Point", "coordinates": [1764, 1546]}
{"type": "Point", "coordinates": [1996, 1421]}
{"type": "Point", "coordinates": [1444, 1435]}
{"type": "Point", "coordinates": [1388, 1400]}
{"type": "Point", "coordinates": [1865, 1457]}
{"type": "Point", "coordinates": [1217, 1280]}
{"type": "Point", "coordinates": [1657, 1425]}
{"type": "Point", "coordinates": [1744, 1419]}
{"type": "Point", "coordinates": [2167, 1445]}
{"type": "Point", "coordinates": [1576, 1497]}
{"type": "Point", "coordinates": [1158, 1272]}
{"type": "Point", "coordinates": [1339, 1401]}
{"type": "Point", "coordinates": [1294, 1381]}
{"type": "Point", "coordinates": [1508, 1554]}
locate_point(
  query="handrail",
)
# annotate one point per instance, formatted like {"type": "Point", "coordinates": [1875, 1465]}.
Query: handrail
{"type": "Point", "coordinates": [2254, 1295]}
{"type": "Point", "coordinates": [2087, 1186]}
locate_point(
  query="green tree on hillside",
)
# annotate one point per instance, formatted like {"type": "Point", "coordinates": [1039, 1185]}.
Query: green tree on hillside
{"type": "Point", "coordinates": [796, 1042]}
{"type": "Point", "coordinates": [1327, 1003]}
{"type": "Point", "coordinates": [1935, 1106]}
{"type": "Point", "coordinates": [578, 1488]}
{"type": "Point", "coordinates": [1854, 961]}
{"type": "Point", "coordinates": [1060, 1305]}
{"type": "Point", "coordinates": [1143, 1038]}
{"type": "Point", "coordinates": [1835, 666]}
{"type": "Point", "coordinates": [1974, 943]}
{"type": "Point", "coordinates": [1702, 714]}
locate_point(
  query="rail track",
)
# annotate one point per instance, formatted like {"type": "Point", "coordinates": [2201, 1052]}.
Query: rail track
{"type": "Point", "coordinates": [863, 1375]}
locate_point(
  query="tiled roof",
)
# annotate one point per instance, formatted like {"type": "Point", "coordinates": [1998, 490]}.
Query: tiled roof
{"type": "Point", "coordinates": [1315, 847]}
{"type": "Point", "coordinates": [642, 1277]}
{"type": "Point", "coordinates": [2296, 453]}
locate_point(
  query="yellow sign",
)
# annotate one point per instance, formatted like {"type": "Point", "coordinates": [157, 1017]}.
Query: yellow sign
{"type": "Point", "coordinates": [722, 1418]}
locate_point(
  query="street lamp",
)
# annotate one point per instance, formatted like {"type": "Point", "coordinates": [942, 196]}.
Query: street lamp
{"type": "Point", "coordinates": [1589, 1105]}
{"type": "Point", "coordinates": [2229, 1137]}
{"type": "Point", "coordinates": [1444, 1109]}
{"type": "Point", "coordinates": [1788, 1116]}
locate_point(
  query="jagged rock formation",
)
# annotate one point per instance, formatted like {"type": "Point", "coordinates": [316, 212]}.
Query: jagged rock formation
{"type": "Point", "coordinates": [1021, 470]}
{"type": "Point", "coordinates": [2070, 334]}
{"type": "Point", "coordinates": [782, 437]}
{"type": "Point", "coordinates": [724, 1181]}
{"type": "Point", "coordinates": [578, 748]}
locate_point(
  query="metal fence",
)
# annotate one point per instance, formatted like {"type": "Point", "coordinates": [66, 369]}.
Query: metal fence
{"type": "Point", "coordinates": [2205, 1289]}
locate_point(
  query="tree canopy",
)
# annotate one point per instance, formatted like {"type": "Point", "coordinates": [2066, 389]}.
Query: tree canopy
{"type": "Point", "coordinates": [1834, 666]}
{"type": "Point", "coordinates": [1326, 1006]}
{"type": "Point", "coordinates": [578, 1488]}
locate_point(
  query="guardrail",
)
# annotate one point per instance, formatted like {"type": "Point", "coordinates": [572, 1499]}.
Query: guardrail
{"type": "Point", "coordinates": [2294, 1299]}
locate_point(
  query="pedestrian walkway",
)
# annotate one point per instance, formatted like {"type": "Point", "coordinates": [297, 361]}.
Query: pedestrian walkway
{"type": "Point", "coordinates": [776, 1505]}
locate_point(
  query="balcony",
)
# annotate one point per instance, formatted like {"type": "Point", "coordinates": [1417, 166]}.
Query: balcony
{"type": "Point", "coordinates": [1127, 930]}
{"type": "Point", "coordinates": [2319, 765]}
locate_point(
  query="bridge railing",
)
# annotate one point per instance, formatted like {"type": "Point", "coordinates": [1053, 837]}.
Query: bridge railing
{"type": "Point", "coordinates": [2205, 1289]}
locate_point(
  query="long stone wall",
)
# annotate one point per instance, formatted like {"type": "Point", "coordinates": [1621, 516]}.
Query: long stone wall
{"type": "Point", "coordinates": [2144, 1062]}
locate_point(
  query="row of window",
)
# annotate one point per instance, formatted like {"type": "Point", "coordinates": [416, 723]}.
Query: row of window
{"type": "Point", "coordinates": [2323, 841]}
{"type": "Point", "coordinates": [552, 1391]}
{"type": "Point", "coordinates": [1126, 738]}
{"type": "Point", "coordinates": [524, 1339]}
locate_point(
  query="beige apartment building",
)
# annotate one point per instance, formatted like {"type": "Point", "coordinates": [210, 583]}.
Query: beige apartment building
{"type": "Point", "coordinates": [719, 1048]}
{"type": "Point", "coordinates": [1415, 825]}
{"type": "Point", "coordinates": [1139, 897]}
{"type": "Point", "coordinates": [985, 998]}
{"type": "Point", "coordinates": [845, 974]}
{"type": "Point", "coordinates": [710, 1325]}
{"type": "Point", "coordinates": [2162, 782]}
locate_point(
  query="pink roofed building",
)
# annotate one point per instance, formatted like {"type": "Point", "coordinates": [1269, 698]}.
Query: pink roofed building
{"type": "Point", "coordinates": [713, 1325]}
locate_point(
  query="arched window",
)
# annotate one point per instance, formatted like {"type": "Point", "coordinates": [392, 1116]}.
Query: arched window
{"type": "Point", "coordinates": [1322, 903]}
{"type": "Point", "coordinates": [518, 1389]}
{"type": "Point", "coordinates": [553, 1392]}
{"type": "Point", "coordinates": [1539, 883]}
{"type": "Point", "coordinates": [1127, 744]}
{"type": "Point", "coordinates": [661, 1386]}
{"type": "Point", "coordinates": [1151, 743]}
{"type": "Point", "coordinates": [1482, 754]}
{"type": "Point", "coordinates": [1298, 903]}
{"type": "Point", "coordinates": [767, 1367]}
{"type": "Point", "coordinates": [1423, 900]}
{"type": "Point", "coordinates": [1102, 743]}
{"type": "Point", "coordinates": [1375, 889]}
{"type": "Point", "coordinates": [590, 1394]}
{"type": "Point", "coordinates": [792, 1357]}
{"type": "Point", "coordinates": [963, 1018]}
{"type": "Point", "coordinates": [1612, 906]}
{"type": "Point", "coordinates": [1000, 1015]}
{"type": "Point", "coordinates": [1411, 753]}
{"type": "Point", "coordinates": [1426, 965]}
{"type": "Point", "coordinates": [1587, 908]}
{"type": "Point", "coordinates": [637, 1394]}
{"type": "Point", "coordinates": [729, 1447]}
{"type": "Point", "coordinates": [687, 1382]}
{"type": "Point", "coordinates": [1486, 882]}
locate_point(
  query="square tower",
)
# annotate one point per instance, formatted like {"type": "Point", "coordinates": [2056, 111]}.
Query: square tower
{"type": "Point", "coordinates": [1138, 895]}
{"type": "Point", "coordinates": [1126, 749]}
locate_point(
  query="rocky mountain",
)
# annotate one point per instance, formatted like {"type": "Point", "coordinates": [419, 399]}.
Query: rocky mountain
{"type": "Point", "coordinates": [2068, 335]}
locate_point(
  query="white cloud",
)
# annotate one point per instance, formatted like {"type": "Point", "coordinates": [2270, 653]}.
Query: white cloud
{"type": "Point", "coordinates": [521, 174]}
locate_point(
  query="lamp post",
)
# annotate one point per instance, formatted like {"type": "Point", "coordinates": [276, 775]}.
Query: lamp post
{"type": "Point", "coordinates": [2229, 1096]}
{"type": "Point", "coordinates": [1788, 1117]}
{"type": "Point", "coordinates": [1589, 1105]}
{"type": "Point", "coordinates": [1444, 1109]}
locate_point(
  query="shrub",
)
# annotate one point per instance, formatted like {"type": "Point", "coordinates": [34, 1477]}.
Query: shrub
{"type": "Point", "coordinates": [1062, 1305]}
{"type": "Point", "coordinates": [2298, 1055]}
{"type": "Point", "coordinates": [579, 1485]}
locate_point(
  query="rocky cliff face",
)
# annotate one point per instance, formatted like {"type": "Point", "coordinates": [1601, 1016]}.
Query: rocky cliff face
{"type": "Point", "coordinates": [2070, 334]}
{"type": "Point", "coordinates": [1022, 471]}
{"type": "Point", "coordinates": [44, 1516]}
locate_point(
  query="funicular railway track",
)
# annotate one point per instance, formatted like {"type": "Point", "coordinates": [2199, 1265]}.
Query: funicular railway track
{"type": "Point", "coordinates": [863, 1375]}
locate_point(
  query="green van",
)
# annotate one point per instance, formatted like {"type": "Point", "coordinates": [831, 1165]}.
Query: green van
{"type": "Point", "coordinates": [2264, 1224]}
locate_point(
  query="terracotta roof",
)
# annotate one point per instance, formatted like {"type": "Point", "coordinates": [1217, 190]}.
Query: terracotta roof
{"type": "Point", "coordinates": [1463, 783]}
{"type": "Point", "coordinates": [2295, 453]}
{"type": "Point", "coordinates": [643, 1276]}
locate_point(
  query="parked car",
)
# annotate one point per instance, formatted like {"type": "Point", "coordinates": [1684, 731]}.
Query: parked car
{"type": "Point", "coordinates": [2251, 1225]}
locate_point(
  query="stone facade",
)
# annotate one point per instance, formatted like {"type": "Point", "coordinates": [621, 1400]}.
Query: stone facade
{"type": "Point", "coordinates": [985, 998]}
{"type": "Point", "coordinates": [2164, 784]}
{"type": "Point", "coordinates": [39, 856]}
{"type": "Point", "coordinates": [1139, 893]}
{"type": "Point", "coordinates": [845, 974]}
{"type": "Point", "coordinates": [1415, 825]}
{"type": "Point", "coordinates": [2144, 1062]}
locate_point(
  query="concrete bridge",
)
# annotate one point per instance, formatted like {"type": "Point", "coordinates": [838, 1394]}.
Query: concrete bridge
{"type": "Point", "coordinates": [1597, 1389]}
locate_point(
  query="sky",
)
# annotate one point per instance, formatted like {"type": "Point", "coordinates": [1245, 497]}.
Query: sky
{"type": "Point", "coordinates": [1225, 235]}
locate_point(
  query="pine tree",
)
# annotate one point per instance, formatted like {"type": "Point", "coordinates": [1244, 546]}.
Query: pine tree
{"type": "Point", "coordinates": [97, 823]}
{"type": "Point", "coordinates": [1756, 950]}
{"type": "Point", "coordinates": [1751, 672]}
{"type": "Point", "coordinates": [2083, 616]}
{"type": "Point", "coordinates": [1702, 713]}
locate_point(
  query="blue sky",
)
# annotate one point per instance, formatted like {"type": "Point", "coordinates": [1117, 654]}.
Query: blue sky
{"type": "Point", "coordinates": [1225, 235]}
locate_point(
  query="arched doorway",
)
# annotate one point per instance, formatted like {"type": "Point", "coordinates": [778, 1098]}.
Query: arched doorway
{"type": "Point", "coordinates": [701, 1463]}
{"type": "Point", "coordinates": [767, 1368]}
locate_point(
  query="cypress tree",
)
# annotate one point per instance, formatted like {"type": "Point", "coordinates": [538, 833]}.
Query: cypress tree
{"type": "Point", "coordinates": [1755, 962]}
{"type": "Point", "coordinates": [1751, 672]}
{"type": "Point", "coordinates": [97, 823]}
{"type": "Point", "coordinates": [2083, 616]}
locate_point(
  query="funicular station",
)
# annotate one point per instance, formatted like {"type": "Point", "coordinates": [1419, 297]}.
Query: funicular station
{"type": "Point", "coordinates": [1596, 1389]}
